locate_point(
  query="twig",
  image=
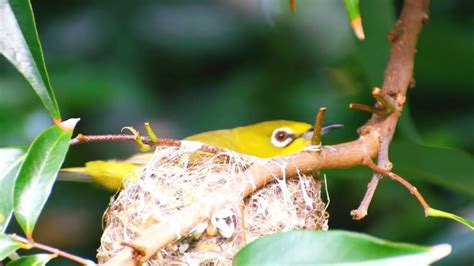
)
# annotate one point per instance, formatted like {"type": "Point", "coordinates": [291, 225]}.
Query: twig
{"type": "Point", "coordinates": [400, 180]}
{"type": "Point", "coordinates": [397, 79]}
{"type": "Point", "coordinates": [367, 108]}
{"type": "Point", "coordinates": [80, 139]}
{"type": "Point", "coordinates": [54, 251]}
{"type": "Point", "coordinates": [318, 125]}
{"type": "Point", "coordinates": [361, 212]}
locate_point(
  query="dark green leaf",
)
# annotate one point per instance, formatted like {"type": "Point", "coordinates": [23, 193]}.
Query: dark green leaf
{"type": "Point", "coordinates": [453, 169]}
{"type": "Point", "coordinates": [10, 160]}
{"type": "Point", "coordinates": [32, 260]}
{"type": "Point", "coordinates": [19, 43]}
{"type": "Point", "coordinates": [8, 245]}
{"type": "Point", "coordinates": [38, 172]}
{"type": "Point", "coordinates": [335, 248]}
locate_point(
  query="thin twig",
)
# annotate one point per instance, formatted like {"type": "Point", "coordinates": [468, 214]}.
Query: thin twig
{"type": "Point", "coordinates": [367, 108]}
{"type": "Point", "coordinates": [81, 139]}
{"type": "Point", "coordinates": [413, 190]}
{"type": "Point", "coordinates": [361, 211]}
{"type": "Point", "coordinates": [318, 125]}
{"type": "Point", "coordinates": [53, 250]}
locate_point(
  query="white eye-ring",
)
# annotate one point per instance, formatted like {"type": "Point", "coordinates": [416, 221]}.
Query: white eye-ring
{"type": "Point", "coordinates": [281, 137]}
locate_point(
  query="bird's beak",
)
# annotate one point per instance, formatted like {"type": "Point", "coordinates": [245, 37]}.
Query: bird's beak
{"type": "Point", "coordinates": [308, 134]}
{"type": "Point", "coordinates": [326, 129]}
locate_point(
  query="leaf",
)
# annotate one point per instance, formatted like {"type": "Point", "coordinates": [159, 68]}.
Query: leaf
{"type": "Point", "coordinates": [32, 260]}
{"type": "Point", "coordinates": [450, 168]}
{"type": "Point", "coordinates": [352, 7]}
{"type": "Point", "coordinates": [442, 214]}
{"type": "Point", "coordinates": [336, 248]}
{"type": "Point", "coordinates": [20, 44]}
{"type": "Point", "coordinates": [10, 160]}
{"type": "Point", "coordinates": [8, 245]}
{"type": "Point", "coordinates": [38, 172]}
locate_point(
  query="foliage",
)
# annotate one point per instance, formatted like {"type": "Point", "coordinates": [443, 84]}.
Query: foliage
{"type": "Point", "coordinates": [335, 248]}
{"type": "Point", "coordinates": [290, 73]}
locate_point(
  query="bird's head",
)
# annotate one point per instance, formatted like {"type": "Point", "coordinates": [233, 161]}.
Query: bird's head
{"type": "Point", "coordinates": [275, 138]}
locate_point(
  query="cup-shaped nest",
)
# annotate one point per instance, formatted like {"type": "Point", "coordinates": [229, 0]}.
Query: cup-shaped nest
{"type": "Point", "coordinates": [178, 177]}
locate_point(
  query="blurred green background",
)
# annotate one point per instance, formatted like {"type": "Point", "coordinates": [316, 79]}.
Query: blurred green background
{"type": "Point", "coordinates": [192, 66]}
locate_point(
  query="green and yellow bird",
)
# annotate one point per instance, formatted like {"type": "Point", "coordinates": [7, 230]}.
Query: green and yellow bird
{"type": "Point", "coordinates": [264, 140]}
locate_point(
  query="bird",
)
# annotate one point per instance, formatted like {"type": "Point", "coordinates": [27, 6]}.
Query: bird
{"type": "Point", "coordinates": [264, 140]}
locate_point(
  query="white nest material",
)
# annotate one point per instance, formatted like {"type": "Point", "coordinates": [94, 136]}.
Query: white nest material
{"type": "Point", "coordinates": [177, 177]}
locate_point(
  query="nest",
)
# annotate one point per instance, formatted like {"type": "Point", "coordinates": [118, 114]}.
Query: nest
{"type": "Point", "coordinates": [177, 177]}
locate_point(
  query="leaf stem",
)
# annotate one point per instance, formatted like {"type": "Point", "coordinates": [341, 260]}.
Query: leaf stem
{"type": "Point", "coordinates": [53, 250]}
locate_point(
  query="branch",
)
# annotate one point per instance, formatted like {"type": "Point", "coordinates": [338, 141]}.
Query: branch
{"type": "Point", "coordinates": [169, 229]}
{"type": "Point", "coordinates": [398, 78]}
{"type": "Point", "coordinates": [54, 251]}
{"type": "Point", "coordinates": [374, 140]}
{"type": "Point", "coordinates": [80, 139]}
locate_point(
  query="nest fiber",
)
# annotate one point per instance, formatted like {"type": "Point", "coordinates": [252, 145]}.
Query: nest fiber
{"type": "Point", "coordinates": [178, 177]}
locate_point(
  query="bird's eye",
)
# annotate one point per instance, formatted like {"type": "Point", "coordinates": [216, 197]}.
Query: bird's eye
{"type": "Point", "coordinates": [281, 137]}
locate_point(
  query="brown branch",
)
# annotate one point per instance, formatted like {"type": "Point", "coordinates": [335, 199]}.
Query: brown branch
{"type": "Point", "coordinates": [374, 140]}
{"type": "Point", "coordinates": [413, 190]}
{"type": "Point", "coordinates": [169, 229]}
{"type": "Point", "coordinates": [318, 125]}
{"type": "Point", "coordinates": [398, 77]}
{"type": "Point", "coordinates": [80, 139]}
{"type": "Point", "coordinates": [52, 250]}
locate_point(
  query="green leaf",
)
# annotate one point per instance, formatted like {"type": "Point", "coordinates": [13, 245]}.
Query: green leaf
{"type": "Point", "coordinates": [335, 248]}
{"type": "Point", "coordinates": [32, 260]}
{"type": "Point", "coordinates": [450, 168]}
{"type": "Point", "coordinates": [352, 7]}
{"type": "Point", "coordinates": [20, 44]}
{"type": "Point", "coordinates": [8, 245]}
{"type": "Point", "coordinates": [442, 214]}
{"type": "Point", "coordinates": [10, 160]}
{"type": "Point", "coordinates": [38, 172]}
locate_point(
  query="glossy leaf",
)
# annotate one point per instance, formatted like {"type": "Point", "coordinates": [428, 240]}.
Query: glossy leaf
{"type": "Point", "coordinates": [352, 7]}
{"type": "Point", "coordinates": [450, 168]}
{"type": "Point", "coordinates": [32, 260]}
{"type": "Point", "coordinates": [442, 214]}
{"type": "Point", "coordinates": [8, 245]}
{"type": "Point", "coordinates": [19, 43]}
{"type": "Point", "coordinates": [335, 248]}
{"type": "Point", "coordinates": [10, 160]}
{"type": "Point", "coordinates": [38, 172]}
